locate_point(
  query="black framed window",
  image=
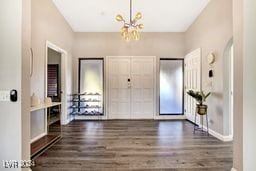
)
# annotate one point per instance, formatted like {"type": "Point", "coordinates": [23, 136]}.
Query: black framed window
{"type": "Point", "coordinates": [91, 85]}
{"type": "Point", "coordinates": [171, 86]}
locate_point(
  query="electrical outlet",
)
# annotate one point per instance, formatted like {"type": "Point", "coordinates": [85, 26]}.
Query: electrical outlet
{"type": "Point", "coordinates": [4, 96]}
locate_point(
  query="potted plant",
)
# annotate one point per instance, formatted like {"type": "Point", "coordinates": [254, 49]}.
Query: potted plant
{"type": "Point", "coordinates": [200, 97]}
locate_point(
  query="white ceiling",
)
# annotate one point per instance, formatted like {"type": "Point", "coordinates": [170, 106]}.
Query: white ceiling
{"type": "Point", "coordinates": [158, 15]}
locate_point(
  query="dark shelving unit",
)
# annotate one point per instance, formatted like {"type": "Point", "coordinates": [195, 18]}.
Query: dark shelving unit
{"type": "Point", "coordinates": [86, 104]}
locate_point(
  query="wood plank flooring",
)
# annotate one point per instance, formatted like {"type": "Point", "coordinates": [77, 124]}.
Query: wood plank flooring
{"type": "Point", "coordinates": [135, 145]}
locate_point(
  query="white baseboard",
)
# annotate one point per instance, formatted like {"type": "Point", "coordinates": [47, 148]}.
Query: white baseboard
{"type": "Point", "coordinates": [90, 117]}
{"type": "Point", "coordinates": [228, 138]}
{"type": "Point", "coordinates": [67, 121]}
{"type": "Point", "coordinates": [155, 118]}
{"type": "Point", "coordinates": [170, 117]}
{"type": "Point", "coordinates": [38, 137]}
{"type": "Point", "coordinates": [219, 136]}
{"type": "Point", "coordinates": [233, 169]}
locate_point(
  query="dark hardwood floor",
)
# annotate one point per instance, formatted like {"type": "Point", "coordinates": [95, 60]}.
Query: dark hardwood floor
{"type": "Point", "coordinates": [135, 145]}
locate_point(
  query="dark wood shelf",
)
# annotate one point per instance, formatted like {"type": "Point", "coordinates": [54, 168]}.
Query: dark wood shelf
{"type": "Point", "coordinates": [39, 145]}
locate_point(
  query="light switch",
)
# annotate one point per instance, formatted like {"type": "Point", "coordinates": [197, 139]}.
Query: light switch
{"type": "Point", "coordinates": [4, 96]}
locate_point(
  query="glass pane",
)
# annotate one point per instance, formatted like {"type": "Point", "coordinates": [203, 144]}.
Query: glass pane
{"type": "Point", "coordinates": [91, 85]}
{"type": "Point", "coordinates": [171, 87]}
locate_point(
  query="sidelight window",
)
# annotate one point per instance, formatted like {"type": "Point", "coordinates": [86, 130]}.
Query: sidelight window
{"type": "Point", "coordinates": [171, 87]}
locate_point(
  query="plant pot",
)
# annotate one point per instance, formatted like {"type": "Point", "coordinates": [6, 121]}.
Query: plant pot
{"type": "Point", "coordinates": [201, 109]}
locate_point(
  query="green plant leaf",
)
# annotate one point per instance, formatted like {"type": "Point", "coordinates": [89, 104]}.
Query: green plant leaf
{"type": "Point", "coordinates": [200, 97]}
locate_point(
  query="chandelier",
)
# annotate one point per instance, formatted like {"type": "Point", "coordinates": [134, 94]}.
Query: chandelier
{"type": "Point", "coordinates": [130, 30]}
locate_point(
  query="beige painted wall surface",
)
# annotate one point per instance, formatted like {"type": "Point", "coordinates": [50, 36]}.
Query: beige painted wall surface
{"type": "Point", "coordinates": [238, 83]}
{"type": "Point", "coordinates": [54, 57]}
{"type": "Point", "coordinates": [14, 74]}
{"type": "Point", "coordinates": [10, 67]}
{"type": "Point", "coordinates": [249, 116]}
{"type": "Point", "coordinates": [47, 24]}
{"type": "Point", "coordinates": [25, 86]}
{"type": "Point", "coordinates": [112, 44]}
{"type": "Point", "coordinates": [211, 31]}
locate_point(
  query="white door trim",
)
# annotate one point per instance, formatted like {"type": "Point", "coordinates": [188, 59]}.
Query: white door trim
{"type": "Point", "coordinates": [64, 111]}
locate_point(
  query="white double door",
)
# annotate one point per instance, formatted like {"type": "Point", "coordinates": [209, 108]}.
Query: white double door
{"type": "Point", "coordinates": [131, 87]}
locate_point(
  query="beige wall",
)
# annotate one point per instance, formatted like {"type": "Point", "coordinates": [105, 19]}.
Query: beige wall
{"type": "Point", "coordinates": [25, 86]}
{"type": "Point", "coordinates": [14, 48]}
{"type": "Point", "coordinates": [249, 93]}
{"type": "Point", "coordinates": [238, 84]}
{"type": "Point", "coordinates": [47, 24]}
{"type": "Point", "coordinates": [112, 44]}
{"type": "Point", "coordinates": [212, 31]}
{"type": "Point", "coordinates": [10, 64]}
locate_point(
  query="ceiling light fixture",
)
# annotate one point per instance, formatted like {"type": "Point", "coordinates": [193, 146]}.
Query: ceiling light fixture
{"type": "Point", "coordinates": [130, 29]}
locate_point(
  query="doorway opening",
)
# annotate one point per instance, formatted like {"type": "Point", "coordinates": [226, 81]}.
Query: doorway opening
{"type": "Point", "coordinates": [55, 77]}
